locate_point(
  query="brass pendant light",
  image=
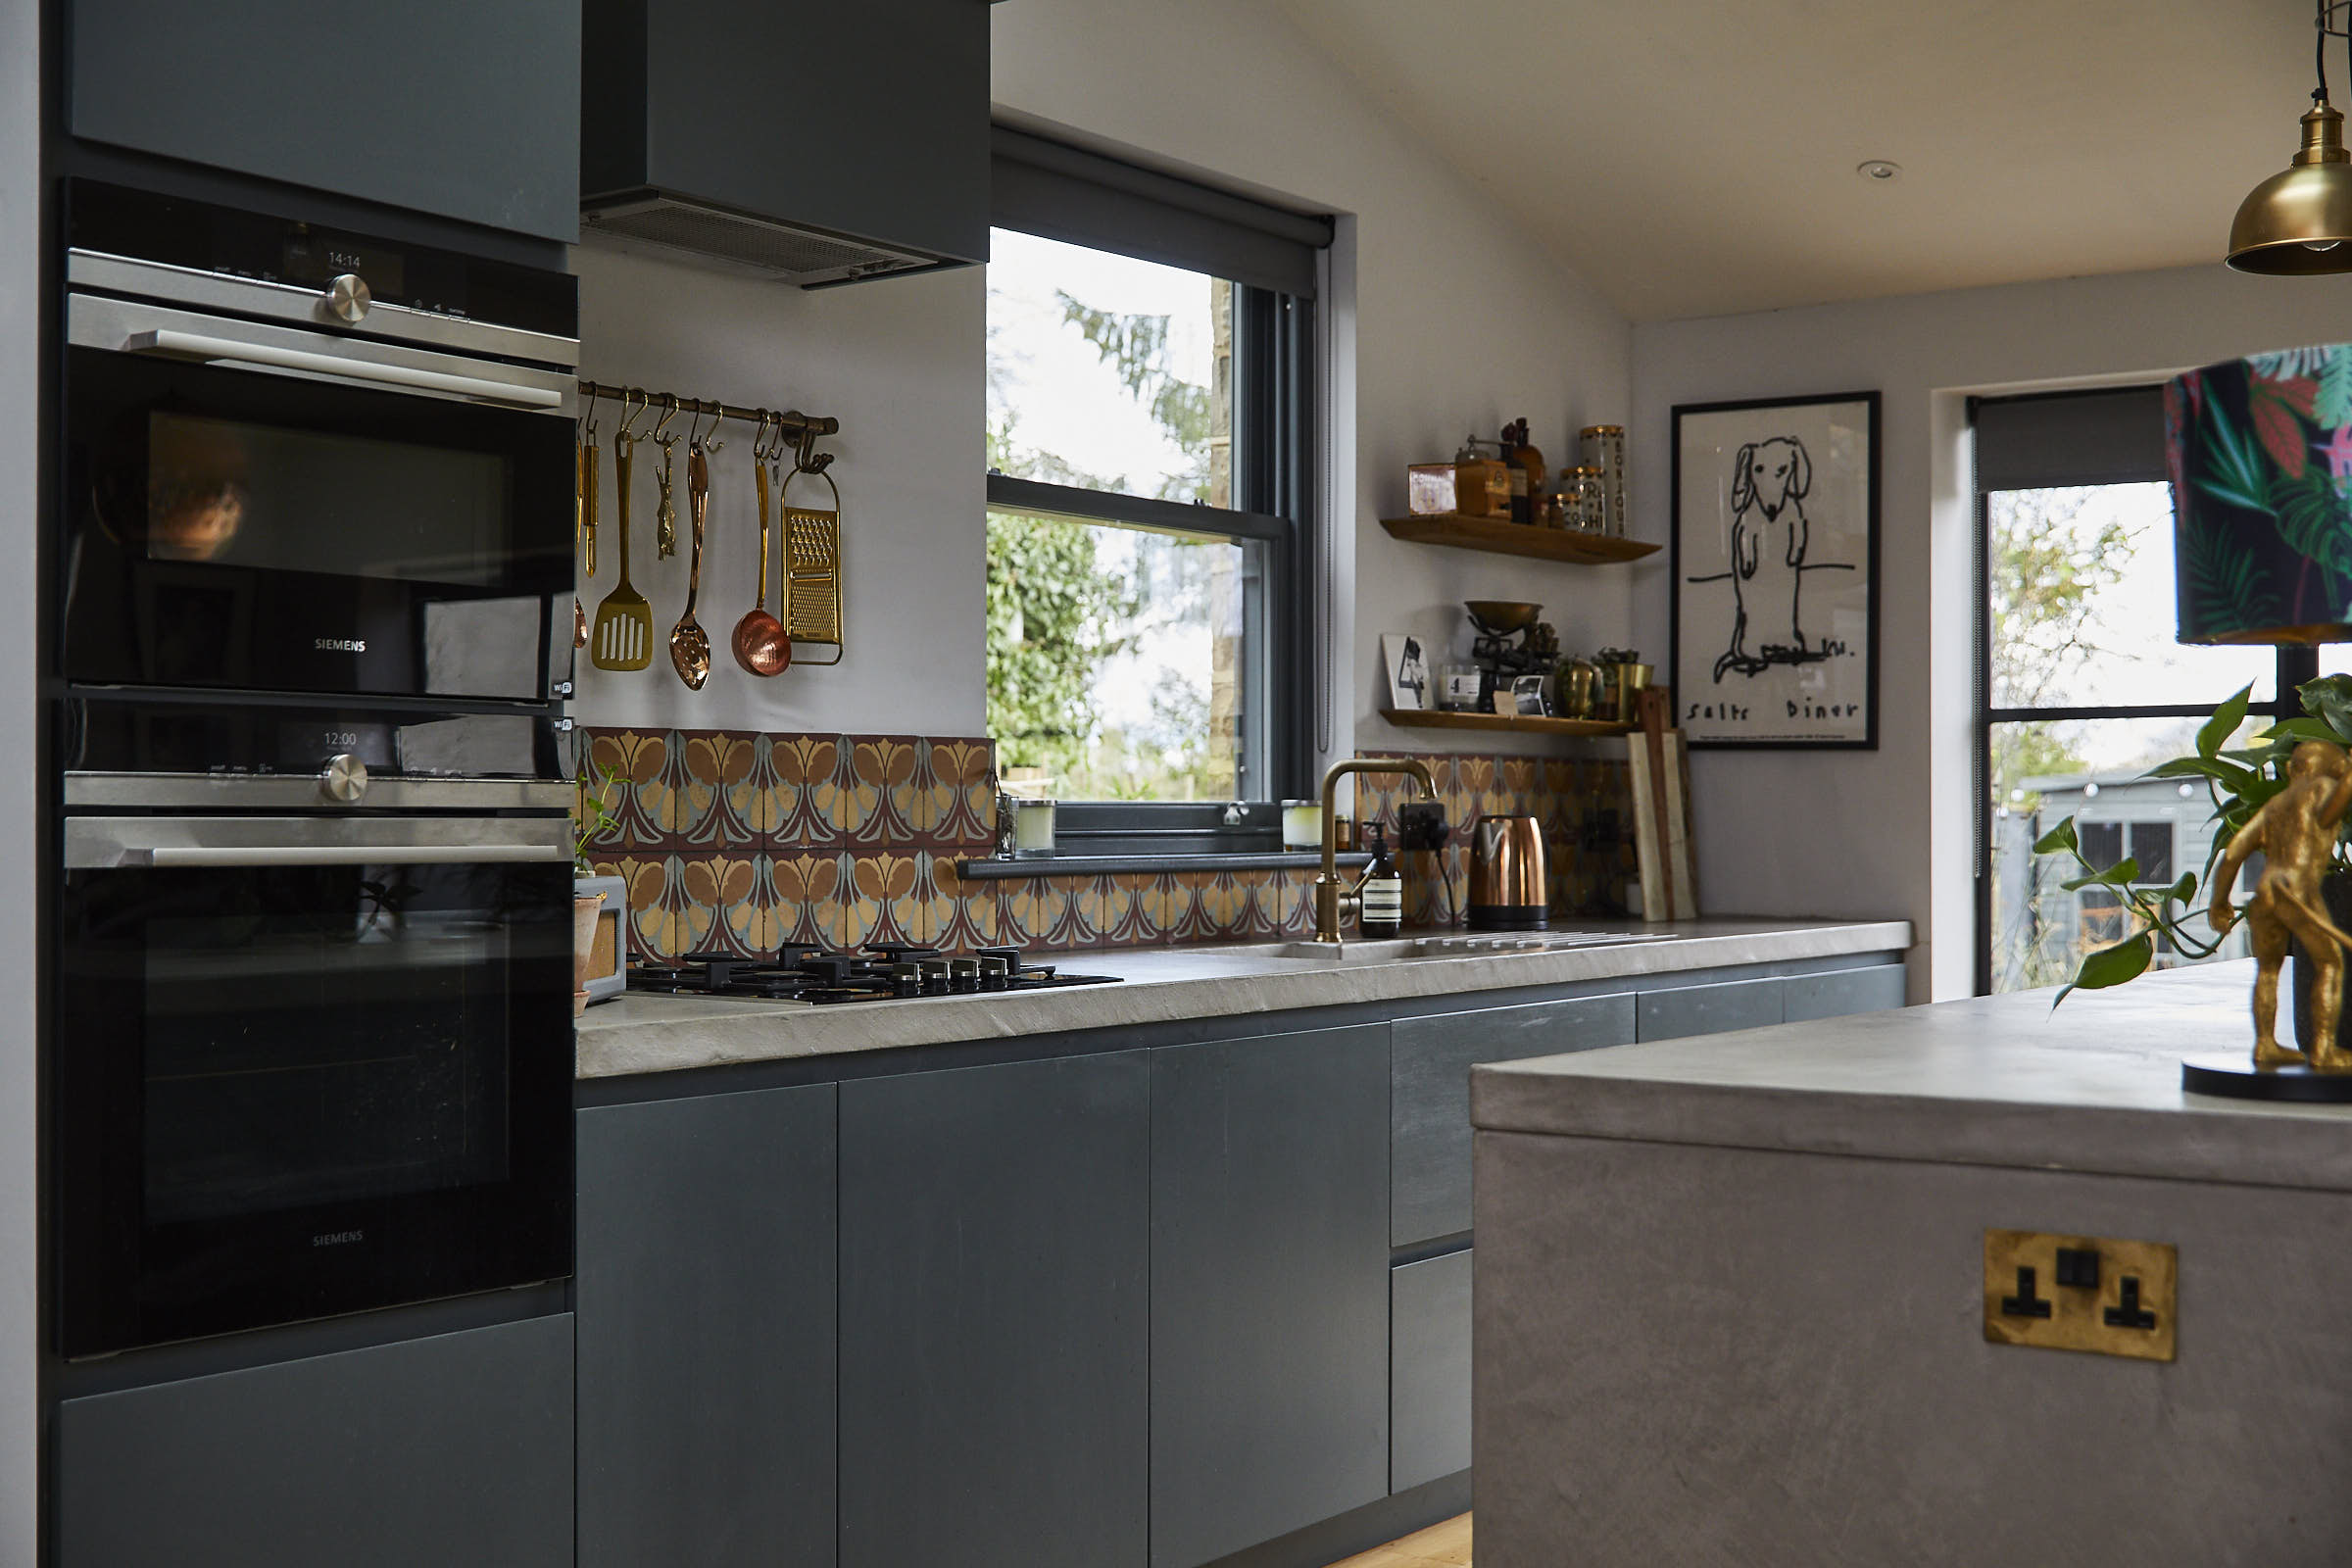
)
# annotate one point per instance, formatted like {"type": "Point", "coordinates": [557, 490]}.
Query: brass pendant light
{"type": "Point", "coordinates": [2300, 224]}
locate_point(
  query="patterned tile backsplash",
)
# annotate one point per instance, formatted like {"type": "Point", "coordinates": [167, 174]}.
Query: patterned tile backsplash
{"type": "Point", "coordinates": [741, 840]}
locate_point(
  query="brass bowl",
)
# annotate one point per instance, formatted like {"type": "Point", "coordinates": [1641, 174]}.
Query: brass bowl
{"type": "Point", "coordinates": [1501, 617]}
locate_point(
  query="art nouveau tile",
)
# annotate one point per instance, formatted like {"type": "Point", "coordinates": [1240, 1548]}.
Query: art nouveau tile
{"type": "Point", "coordinates": [716, 806]}
{"type": "Point", "coordinates": [1034, 908]}
{"type": "Point", "coordinates": [803, 794]}
{"type": "Point", "coordinates": [881, 901]}
{"type": "Point", "coordinates": [719, 891]}
{"type": "Point", "coordinates": [640, 762]}
{"type": "Point", "coordinates": [952, 804]}
{"type": "Point", "coordinates": [647, 879]}
{"type": "Point", "coordinates": [809, 895]}
{"type": "Point", "coordinates": [970, 907]}
{"type": "Point", "coordinates": [877, 788]}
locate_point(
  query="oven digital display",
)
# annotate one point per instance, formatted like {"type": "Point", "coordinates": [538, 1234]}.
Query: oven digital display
{"type": "Point", "coordinates": [319, 258]}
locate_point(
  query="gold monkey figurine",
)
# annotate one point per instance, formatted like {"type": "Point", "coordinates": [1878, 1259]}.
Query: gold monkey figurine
{"type": "Point", "coordinates": [2295, 831]}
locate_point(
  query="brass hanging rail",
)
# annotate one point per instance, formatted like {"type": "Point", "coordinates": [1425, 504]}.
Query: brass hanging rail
{"type": "Point", "coordinates": [799, 424]}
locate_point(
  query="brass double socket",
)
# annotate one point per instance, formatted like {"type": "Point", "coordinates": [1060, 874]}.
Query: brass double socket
{"type": "Point", "coordinates": [2082, 1292]}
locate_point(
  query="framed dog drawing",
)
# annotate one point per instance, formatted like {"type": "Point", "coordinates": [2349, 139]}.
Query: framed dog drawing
{"type": "Point", "coordinates": [1776, 572]}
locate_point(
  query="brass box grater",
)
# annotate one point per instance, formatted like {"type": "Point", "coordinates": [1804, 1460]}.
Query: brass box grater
{"type": "Point", "coordinates": [812, 570]}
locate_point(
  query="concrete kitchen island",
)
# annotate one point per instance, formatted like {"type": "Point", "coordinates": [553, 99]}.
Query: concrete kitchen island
{"type": "Point", "coordinates": [1732, 1295]}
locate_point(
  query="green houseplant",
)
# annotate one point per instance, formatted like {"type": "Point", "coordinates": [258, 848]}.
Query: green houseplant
{"type": "Point", "coordinates": [2238, 782]}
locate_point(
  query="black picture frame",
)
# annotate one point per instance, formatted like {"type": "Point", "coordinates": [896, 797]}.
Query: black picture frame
{"type": "Point", "coordinates": [1702, 707]}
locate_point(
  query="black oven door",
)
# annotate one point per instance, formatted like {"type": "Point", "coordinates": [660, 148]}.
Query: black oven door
{"type": "Point", "coordinates": [267, 508]}
{"type": "Point", "coordinates": [307, 1067]}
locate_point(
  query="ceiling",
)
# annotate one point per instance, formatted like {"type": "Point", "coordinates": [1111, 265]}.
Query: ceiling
{"type": "Point", "coordinates": [1698, 157]}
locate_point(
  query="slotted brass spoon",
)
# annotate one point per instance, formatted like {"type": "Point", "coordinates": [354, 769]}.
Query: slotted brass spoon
{"type": "Point", "coordinates": [689, 643]}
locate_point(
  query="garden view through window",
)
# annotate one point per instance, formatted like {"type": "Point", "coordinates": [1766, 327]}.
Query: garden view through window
{"type": "Point", "coordinates": [1116, 654]}
{"type": "Point", "coordinates": [2081, 614]}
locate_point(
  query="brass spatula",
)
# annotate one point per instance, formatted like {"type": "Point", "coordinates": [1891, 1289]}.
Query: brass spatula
{"type": "Point", "coordinates": [624, 635]}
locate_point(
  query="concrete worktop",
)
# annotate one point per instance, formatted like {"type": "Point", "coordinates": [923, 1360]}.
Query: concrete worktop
{"type": "Point", "coordinates": [643, 1034]}
{"type": "Point", "coordinates": [2092, 1085]}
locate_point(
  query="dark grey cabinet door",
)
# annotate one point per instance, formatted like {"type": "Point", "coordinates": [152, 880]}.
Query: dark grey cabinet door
{"type": "Point", "coordinates": [1841, 992]}
{"type": "Point", "coordinates": [1429, 1369]}
{"type": "Point", "coordinates": [1429, 1162]}
{"type": "Point", "coordinates": [470, 109]}
{"type": "Point", "coordinates": [1269, 1287]}
{"type": "Point", "coordinates": [706, 1305]}
{"type": "Point", "coordinates": [1707, 1009]}
{"type": "Point", "coordinates": [994, 1345]}
{"type": "Point", "coordinates": [454, 1450]}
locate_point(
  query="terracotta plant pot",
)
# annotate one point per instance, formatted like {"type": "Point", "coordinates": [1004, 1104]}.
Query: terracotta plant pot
{"type": "Point", "coordinates": [584, 909]}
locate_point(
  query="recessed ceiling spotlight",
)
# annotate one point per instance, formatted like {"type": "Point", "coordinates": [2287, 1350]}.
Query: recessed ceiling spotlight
{"type": "Point", "coordinates": [1880, 171]}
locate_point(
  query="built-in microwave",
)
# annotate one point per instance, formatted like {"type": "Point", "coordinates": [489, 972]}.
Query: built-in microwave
{"type": "Point", "coordinates": [309, 462]}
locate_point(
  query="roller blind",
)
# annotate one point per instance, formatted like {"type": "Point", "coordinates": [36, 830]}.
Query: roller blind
{"type": "Point", "coordinates": [2113, 436]}
{"type": "Point", "coordinates": [1062, 193]}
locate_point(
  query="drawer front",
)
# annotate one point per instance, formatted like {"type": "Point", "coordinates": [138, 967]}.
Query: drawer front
{"type": "Point", "coordinates": [1709, 1009]}
{"type": "Point", "coordinates": [1841, 992]}
{"type": "Point", "coordinates": [1429, 1096]}
{"type": "Point", "coordinates": [1429, 1370]}
{"type": "Point", "coordinates": [454, 1450]}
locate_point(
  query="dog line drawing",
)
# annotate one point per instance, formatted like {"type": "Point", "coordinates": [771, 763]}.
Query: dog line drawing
{"type": "Point", "coordinates": [1769, 540]}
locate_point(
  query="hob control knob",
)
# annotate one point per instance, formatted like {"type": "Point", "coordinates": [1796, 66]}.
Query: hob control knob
{"type": "Point", "coordinates": [348, 297]}
{"type": "Point", "coordinates": [344, 779]}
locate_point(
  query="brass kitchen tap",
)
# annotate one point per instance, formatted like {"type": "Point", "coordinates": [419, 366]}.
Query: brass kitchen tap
{"type": "Point", "coordinates": [1335, 901]}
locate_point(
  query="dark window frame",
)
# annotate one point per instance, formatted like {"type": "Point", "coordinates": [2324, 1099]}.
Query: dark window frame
{"type": "Point", "coordinates": [2295, 665]}
{"type": "Point", "coordinates": [1082, 198]}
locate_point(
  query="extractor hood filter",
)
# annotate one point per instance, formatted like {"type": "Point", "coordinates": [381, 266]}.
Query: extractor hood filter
{"type": "Point", "coordinates": [808, 257]}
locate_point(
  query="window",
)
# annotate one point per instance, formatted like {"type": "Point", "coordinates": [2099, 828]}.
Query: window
{"type": "Point", "coordinates": [2083, 687]}
{"type": "Point", "coordinates": [1148, 343]}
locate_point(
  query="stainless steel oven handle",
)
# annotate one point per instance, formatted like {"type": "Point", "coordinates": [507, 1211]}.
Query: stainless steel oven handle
{"type": "Point", "coordinates": [168, 856]}
{"type": "Point", "coordinates": [194, 346]}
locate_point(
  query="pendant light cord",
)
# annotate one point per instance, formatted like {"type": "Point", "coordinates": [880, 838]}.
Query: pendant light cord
{"type": "Point", "coordinates": [2319, 94]}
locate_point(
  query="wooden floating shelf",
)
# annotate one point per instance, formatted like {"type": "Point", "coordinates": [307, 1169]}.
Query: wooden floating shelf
{"type": "Point", "coordinates": [1441, 719]}
{"type": "Point", "coordinates": [1516, 539]}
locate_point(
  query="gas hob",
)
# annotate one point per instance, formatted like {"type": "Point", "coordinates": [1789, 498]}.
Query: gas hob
{"type": "Point", "coordinates": [882, 971]}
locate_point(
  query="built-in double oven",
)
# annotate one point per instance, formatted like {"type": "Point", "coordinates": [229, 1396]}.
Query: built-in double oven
{"type": "Point", "coordinates": [310, 1023]}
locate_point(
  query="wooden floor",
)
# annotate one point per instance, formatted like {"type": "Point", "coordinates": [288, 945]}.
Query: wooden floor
{"type": "Point", "coordinates": [1441, 1545]}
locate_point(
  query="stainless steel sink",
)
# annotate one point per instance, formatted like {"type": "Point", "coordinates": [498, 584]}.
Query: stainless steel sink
{"type": "Point", "coordinates": [1501, 943]}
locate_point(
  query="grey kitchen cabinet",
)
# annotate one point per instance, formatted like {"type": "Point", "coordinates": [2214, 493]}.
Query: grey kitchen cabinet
{"type": "Point", "coordinates": [1708, 1009]}
{"type": "Point", "coordinates": [455, 1450]}
{"type": "Point", "coordinates": [812, 140]}
{"type": "Point", "coordinates": [466, 109]}
{"type": "Point", "coordinates": [1269, 1287]}
{"type": "Point", "coordinates": [1836, 993]}
{"type": "Point", "coordinates": [995, 1349]}
{"type": "Point", "coordinates": [1429, 1162]}
{"type": "Point", "coordinates": [1429, 1369]}
{"type": "Point", "coordinates": [706, 1298]}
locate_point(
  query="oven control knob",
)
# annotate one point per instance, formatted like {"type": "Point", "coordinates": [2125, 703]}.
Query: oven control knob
{"type": "Point", "coordinates": [348, 297]}
{"type": "Point", "coordinates": [345, 778]}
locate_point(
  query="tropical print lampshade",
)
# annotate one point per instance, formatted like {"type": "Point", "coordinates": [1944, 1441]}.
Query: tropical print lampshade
{"type": "Point", "coordinates": [2261, 457]}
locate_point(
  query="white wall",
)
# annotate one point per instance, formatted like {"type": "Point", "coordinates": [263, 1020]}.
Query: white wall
{"type": "Point", "coordinates": [900, 364]}
{"type": "Point", "coordinates": [1460, 322]}
{"type": "Point", "coordinates": [1889, 833]}
{"type": "Point", "coordinates": [20, 317]}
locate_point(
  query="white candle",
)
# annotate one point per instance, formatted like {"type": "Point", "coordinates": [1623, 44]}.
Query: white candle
{"type": "Point", "coordinates": [1033, 827]}
{"type": "Point", "coordinates": [1301, 825]}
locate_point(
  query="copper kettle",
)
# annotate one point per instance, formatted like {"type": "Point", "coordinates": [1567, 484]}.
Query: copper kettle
{"type": "Point", "coordinates": [1508, 884]}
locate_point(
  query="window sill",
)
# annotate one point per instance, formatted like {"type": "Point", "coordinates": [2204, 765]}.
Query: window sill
{"type": "Point", "coordinates": [992, 869]}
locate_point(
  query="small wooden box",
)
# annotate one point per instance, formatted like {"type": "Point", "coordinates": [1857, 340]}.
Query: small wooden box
{"type": "Point", "coordinates": [1480, 488]}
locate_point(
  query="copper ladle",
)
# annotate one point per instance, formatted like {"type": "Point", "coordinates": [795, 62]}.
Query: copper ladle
{"type": "Point", "coordinates": [689, 643]}
{"type": "Point", "coordinates": [763, 647]}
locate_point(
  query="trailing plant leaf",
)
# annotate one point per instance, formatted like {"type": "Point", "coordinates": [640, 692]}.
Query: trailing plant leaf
{"type": "Point", "coordinates": [2061, 837]}
{"type": "Point", "coordinates": [2127, 959]}
{"type": "Point", "coordinates": [2298, 730]}
{"type": "Point", "coordinates": [2329, 700]}
{"type": "Point", "coordinates": [2223, 723]}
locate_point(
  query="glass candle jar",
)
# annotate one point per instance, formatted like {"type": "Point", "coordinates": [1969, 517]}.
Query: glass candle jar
{"type": "Point", "coordinates": [1032, 828]}
{"type": "Point", "coordinates": [1302, 825]}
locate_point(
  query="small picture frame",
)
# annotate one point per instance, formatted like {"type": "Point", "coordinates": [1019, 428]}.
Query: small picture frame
{"type": "Point", "coordinates": [1527, 691]}
{"type": "Point", "coordinates": [1404, 656]}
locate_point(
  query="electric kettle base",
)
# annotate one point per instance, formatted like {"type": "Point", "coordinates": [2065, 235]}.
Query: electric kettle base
{"type": "Point", "coordinates": [1509, 917]}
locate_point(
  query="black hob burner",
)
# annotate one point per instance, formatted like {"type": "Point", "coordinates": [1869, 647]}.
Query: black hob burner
{"type": "Point", "coordinates": [880, 973]}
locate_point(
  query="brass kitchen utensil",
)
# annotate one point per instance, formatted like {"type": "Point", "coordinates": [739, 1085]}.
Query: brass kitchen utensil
{"type": "Point", "coordinates": [579, 491]}
{"type": "Point", "coordinates": [665, 515]}
{"type": "Point", "coordinates": [689, 643]}
{"type": "Point", "coordinates": [763, 647]}
{"type": "Point", "coordinates": [813, 561]}
{"type": "Point", "coordinates": [623, 637]}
